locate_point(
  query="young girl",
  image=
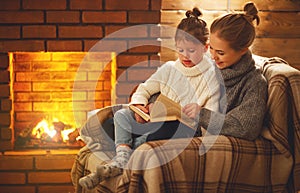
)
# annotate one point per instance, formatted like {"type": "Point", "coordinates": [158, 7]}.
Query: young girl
{"type": "Point", "coordinates": [190, 81]}
{"type": "Point", "coordinates": [246, 88]}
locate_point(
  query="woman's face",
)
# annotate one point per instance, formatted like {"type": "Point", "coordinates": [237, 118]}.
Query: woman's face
{"type": "Point", "coordinates": [222, 53]}
{"type": "Point", "coordinates": [190, 53]}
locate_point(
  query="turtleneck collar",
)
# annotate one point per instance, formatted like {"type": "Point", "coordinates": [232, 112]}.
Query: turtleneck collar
{"type": "Point", "coordinates": [233, 74]}
{"type": "Point", "coordinates": [199, 68]}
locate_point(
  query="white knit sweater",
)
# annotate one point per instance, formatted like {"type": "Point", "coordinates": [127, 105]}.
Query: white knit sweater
{"type": "Point", "coordinates": [184, 85]}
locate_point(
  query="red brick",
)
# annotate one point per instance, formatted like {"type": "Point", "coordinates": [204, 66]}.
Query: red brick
{"type": "Point", "coordinates": [104, 17]}
{"type": "Point", "coordinates": [27, 116]}
{"type": "Point", "coordinates": [4, 61]}
{"type": "Point", "coordinates": [21, 45]}
{"type": "Point", "coordinates": [127, 5]}
{"type": "Point", "coordinates": [55, 86]}
{"type": "Point", "coordinates": [27, 57]}
{"type": "Point", "coordinates": [5, 145]}
{"type": "Point", "coordinates": [155, 61]}
{"type": "Point", "coordinates": [130, 60]}
{"type": "Point", "coordinates": [125, 88]}
{"type": "Point", "coordinates": [5, 92]}
{"type": "Point", "coordinates": [48, 177]}
{"type": "Point", "coordinates": [83, 106]}
{"type": "Point", "coordinates": [4, 77]}
{"type": "Point", "coordinates": [86, 5]}
{"type": "Point", "coordinates": [6, 104]}
{"type": "Point", "coordinates": [39, 31]}
{"type": "Point", "coordinates": [5, 118]}
{"type": "Point", "coordinates": [22, 66]}
{"type": "Point", "coordinates": [144, 17]}
{"type": "Point", "coordinates": [10, 5]}
{"type": "Point", "coordinates": [17, 189]}
{"type": "Point", "coordinates": [64, 45]}
{"type": "Point", "coordinates": [156, 4]}
{"type": "Point", "coordinates": [106, 45]}
{"type": "Point", "coordinates": [22, 86]}
{"type": "Point", "coordinates": [63, 16]}
{"type": "Point", "coordinates": [27, 106]}
{"type": "Point", "coordinates": [54, 162]}
{"type": "Point", "coordinates": [140, 74]}
{"type": "Point", "coordinates": [12, 178]}
{"type": "Point", "coordinates": [16, 163]}
{"type": "Point", "coordinates": [68, 56]}
{"type": "Point", "coordinates": [122, 100]}
{"type": "Point", "coordinates": [6, 134]}
{"type": "Point", "coordinates": [38, 4]}
{"type": "Point", "coordinates": [102, 95]}
{"type": "Point", "coordinates": [80, 32]}
{"type": "Point", "coordinates": [127, 32]}
{"type": "Point", "coordinates": [144, 46]}
{"type": "Point", "coordinates": [10, 32]}
{"type": "Point", "coordinates": [22, 16]}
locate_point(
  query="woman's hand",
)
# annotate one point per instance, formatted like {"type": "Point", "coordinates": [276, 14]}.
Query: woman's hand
{"type": "Point", "coordinates": [191, 110]}
{"type": "Point", "coordinates": [138, 118]}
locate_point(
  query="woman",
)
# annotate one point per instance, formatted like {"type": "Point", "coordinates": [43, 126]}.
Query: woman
{"type": "Point", "coordinates": [246, 88]}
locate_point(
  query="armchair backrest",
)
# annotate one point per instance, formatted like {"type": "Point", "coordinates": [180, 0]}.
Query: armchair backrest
{"type": "Point", "coordinates": [282, 121]}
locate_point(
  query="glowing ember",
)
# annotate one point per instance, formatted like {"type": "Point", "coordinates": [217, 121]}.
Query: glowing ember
{"type": "Point", "coordinates": [58, 131]}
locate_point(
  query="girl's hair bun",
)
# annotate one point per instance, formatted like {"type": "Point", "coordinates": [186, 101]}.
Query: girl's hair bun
{"type": "Point", "coordinates": [193, 13]}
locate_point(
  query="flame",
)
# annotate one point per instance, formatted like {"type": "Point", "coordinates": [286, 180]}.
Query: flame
{"type": "Point", "coordinates": [43, 128]}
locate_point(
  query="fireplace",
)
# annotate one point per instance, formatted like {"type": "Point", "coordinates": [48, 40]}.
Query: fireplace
{"type": "Point", "coordinates": [53, 92]}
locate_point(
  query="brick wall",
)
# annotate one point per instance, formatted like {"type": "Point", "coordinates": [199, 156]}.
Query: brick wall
{"type": "Point", "coordinates": [65, 26]}
{"type": "Point", "coordinates": [36, 171]}
{"type": "Point", "coordinates": [75, 26]}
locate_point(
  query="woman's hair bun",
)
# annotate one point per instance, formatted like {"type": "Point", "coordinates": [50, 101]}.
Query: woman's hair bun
{"type": "Point", "coordinates": [193, 13]}
{"type": "Point", "coordinates": [251, 10]}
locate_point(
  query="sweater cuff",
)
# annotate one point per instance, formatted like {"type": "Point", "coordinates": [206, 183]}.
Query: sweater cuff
{"type": "Point", "coordinates": [204, 117]}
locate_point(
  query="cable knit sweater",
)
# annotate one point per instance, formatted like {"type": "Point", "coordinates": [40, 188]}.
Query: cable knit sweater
{"type": "Point", "coordinates": [245, 104]}
{"type": "Point", "coordinates": [183, 85]}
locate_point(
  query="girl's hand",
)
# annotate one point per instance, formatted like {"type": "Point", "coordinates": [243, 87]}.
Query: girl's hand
{"type": "Point", "coordinates": [138, 118]}
{"type": "Point", "coordinates": [191, 110]}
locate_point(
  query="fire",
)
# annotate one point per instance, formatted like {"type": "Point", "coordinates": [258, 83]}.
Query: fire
{"type": "Point", "coordinates": [57, 131]}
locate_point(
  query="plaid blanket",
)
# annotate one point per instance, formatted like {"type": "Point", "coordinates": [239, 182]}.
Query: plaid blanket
{"type": "Point", "coordinates": [271, 163]}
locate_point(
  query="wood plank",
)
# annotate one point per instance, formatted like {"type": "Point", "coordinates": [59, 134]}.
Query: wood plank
{"type": "Point", "coordinates": [279, 24]}
{"type": "Point", "coordinates": [190, 4]}
{"type": "Point", "coordinates": [174, 17]}
{"type": "Point", "coordinates": [268, 5]}
{"type": "Point", "coordinates": [263, 5]}
{"type": "Point", "coordinates": [288, 49]}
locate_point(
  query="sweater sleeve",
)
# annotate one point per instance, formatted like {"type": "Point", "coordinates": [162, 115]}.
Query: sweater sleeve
{"type": "Point", "coordinates": [243, 121]}
{"type": "Point", "coordinates": [151, 86]}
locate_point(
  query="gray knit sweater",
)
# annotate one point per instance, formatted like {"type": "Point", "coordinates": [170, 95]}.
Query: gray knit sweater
{"type": "Point", "coordinates": [245, 102]}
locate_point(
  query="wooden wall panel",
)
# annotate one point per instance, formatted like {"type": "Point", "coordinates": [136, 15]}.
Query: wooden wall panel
{"type": "Point", "coordinates": [279, 25]}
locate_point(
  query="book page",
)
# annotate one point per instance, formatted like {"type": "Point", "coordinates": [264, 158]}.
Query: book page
{"type": "Point", "coordinates": [165, 109]}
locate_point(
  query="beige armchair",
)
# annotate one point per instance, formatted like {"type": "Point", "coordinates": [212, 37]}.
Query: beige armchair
{"type": "Point", "coordinates": [271, 163]}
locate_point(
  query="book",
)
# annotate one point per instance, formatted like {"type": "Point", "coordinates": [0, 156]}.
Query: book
{"type": "Point", "coordinates": [164, 109]}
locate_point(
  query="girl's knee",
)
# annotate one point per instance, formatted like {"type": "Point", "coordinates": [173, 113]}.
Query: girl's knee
{"type": "Point", "coordinates": [122, 114]}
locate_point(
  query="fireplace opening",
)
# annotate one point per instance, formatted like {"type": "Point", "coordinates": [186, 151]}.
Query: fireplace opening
{"type": "Point", "coordinates": [52, 93]}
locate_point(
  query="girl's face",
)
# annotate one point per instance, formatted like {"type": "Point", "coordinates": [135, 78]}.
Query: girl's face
{"type": "Point", "coordinates": [222, 53]}
{"type": "Point", "coordinates": [190, 53]}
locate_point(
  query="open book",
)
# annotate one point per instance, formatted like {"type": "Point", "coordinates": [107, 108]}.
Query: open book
{"type": "Point", "coordinates": [164, 109]}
